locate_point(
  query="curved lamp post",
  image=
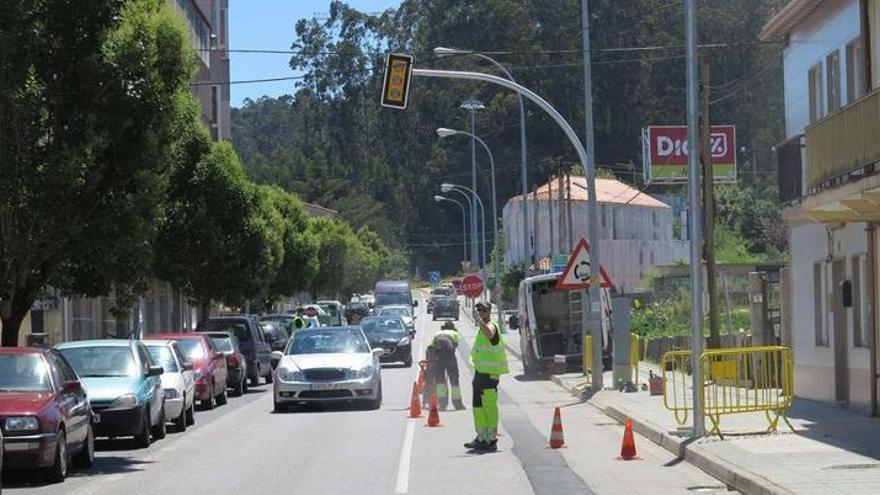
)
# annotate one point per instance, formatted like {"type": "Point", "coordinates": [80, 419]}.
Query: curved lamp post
{"type": "Point", "coordinates": [441, 199]}
{"type": "Point", "coordinates": [468, 192]}
{"type": "Point", "coordinates": [445, 51]}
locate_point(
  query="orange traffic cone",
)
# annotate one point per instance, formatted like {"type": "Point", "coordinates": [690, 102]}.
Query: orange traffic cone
{"type": "Point", "coordinates": [557, 440]}
{"type": "Point", "coordinates": [433, 415]}
{"type": "Point", "coordinates": [628, 449]}
{"type": "Point", "coordinates": [415, 405]}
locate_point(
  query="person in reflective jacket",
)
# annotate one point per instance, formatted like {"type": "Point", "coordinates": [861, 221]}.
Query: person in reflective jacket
{"type": "Point", "coordinates": [445, 342]}
{"type": "Point", "coordinates": [490, 362]}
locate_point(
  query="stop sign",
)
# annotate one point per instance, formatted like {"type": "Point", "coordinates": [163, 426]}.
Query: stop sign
{"type": "Point", "coordinates": [472, 286]}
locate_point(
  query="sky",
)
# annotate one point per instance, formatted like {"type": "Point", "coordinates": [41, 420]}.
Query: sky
{"type": "Point", "coordinates": [268, 25]}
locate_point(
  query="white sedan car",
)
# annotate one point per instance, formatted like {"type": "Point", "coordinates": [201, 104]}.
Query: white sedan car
{"type": "Point", "coordinates": [328, 364]}
{"type": "Point", "coordinates": [177, 381]}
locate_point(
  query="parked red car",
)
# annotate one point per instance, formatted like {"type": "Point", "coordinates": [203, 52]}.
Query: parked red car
{"type": "Point", "coordinates": [44, 413]}
{"type": "Point", "coordinates": [209, 365]}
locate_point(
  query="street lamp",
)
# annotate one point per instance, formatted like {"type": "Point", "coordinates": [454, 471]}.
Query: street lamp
{"type": "Point", "coordinates": [444, 132]}
{"type": "Point", "coordinates": [443, 51]}
{"type": "Point", "coordinates": [440, 199]}
{"type": "Point", "coordinates": [468, 193]}
{"type": "Point", "coordinates": [472, 106]}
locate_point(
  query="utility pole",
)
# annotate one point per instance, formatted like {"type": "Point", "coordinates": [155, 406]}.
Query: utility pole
{"type": "Point", "coordinates": [708, 205]}
{"type": "Point", "coordinates": [561, 206]}
{"type": "Point", "coordinates": [550, 216]}
{"type": "Point", "coordinates": [590, 301]}
{"type": "Point", "coordinates": [694, 224]}
{"type": "Point", "coordinates": [568, 214]}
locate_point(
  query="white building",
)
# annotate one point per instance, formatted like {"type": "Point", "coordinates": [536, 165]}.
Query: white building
{"type": "Point", "coordinates": [635, 229]}
{"type": "Point", "coordinates": [828, 179]}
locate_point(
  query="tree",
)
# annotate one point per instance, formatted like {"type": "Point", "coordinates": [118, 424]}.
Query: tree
{"type": "Point", "coordinates": [220, 239]}
{"type": "Point", "coordinates": [90, 98]}
{"type": "Point", "coordinates": [300, 261]}
{"type": "Point", "coordinates": [335, 242]}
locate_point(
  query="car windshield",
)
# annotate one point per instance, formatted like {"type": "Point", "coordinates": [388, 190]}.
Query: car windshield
{"type": "Point", "coordinates": [276, 329]}
{"type": "Point", "coordinates": [164, 357]}
{"type": "Point", "coordinates": [191, 348]}
{"type": "Point", "coordinates": [399, 311]}
{"type": "Point", "coordinates": [387, 298]}
{"type": "Point", "coordinates": [23, 372]}
{"type": "Point", "coordinates": [383, 326]}
{"type": "Point", "coordinates": [235, 327]}
{"type": "Point", "coordinates": [224, 344]}
{"type": "Point", "coordinates": [327, 342]}
{"type": "Point", "coordinates": [356, 305]}
{"type": "Point", "coordinates": [101, 361]}
{"type": "Point", "coordinates": [329, 308]}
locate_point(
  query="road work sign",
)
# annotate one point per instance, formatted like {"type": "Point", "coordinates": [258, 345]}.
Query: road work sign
{"type": "Point", "coordinates": [395, 89]}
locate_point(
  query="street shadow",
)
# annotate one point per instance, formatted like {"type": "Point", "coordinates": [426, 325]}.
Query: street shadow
{"type": "Point", "coordinates": [255, 391]}
{"type": "Point", "coordinates": [393, 366]}
{"type": "Point", "coordinates": [104, 465]}
{"type": "Point", "coordinates": [835, 425]}
{"type": "Point", "coordinates": [531, 378]}
{"type": "Point", "coordinates": [327, 408]}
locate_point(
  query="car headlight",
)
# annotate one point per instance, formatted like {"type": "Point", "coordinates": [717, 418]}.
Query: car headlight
{"type": "Point", "coordinates": [21, 423]}
{"type": "Point", "coordinates": [127, 400]}
{"type": "Point", "coordinates": [403, 341]}
{"type": "Point", "coordinates": [288, 375]}
{"type": "Point", "coordinates": [365, 372]}
{"type": "Point", "coordinates": [170, 393]}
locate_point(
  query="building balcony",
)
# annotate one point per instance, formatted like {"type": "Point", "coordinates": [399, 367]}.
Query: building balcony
{"type": "Point", "coordinates": [841, 183]}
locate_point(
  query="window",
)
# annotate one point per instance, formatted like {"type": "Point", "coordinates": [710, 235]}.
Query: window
{"type": "Point", "coordinates": [819, 304]}
{"type": "Point", "coordinates": [855, 70]}
{"type": "Point", "coordinates": [861, 310]}
{"type": "Point", "coordinates": [832, 78]}
{"type": "Point", "coordinates": [222, 28]}
{"type": "Point", "coordinates": [817, 93]}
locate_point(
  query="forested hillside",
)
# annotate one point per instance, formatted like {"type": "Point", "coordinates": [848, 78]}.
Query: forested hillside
{"type": "Point", "coordinates": [331, 143]}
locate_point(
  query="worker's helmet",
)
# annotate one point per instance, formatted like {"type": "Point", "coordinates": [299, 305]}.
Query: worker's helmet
{"type": "Point", "coordinates": [448, 326]}
{"type": "Point", "coordinates": [483, 306]}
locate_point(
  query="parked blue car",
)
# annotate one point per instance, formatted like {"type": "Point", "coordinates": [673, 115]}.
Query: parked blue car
{"type": "Point", "coordinates": [124, 387]}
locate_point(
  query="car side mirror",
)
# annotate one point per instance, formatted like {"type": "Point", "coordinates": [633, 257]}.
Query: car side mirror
{"type": "Point", "coordinates": [72, 386]}
{"type": "Point", "coordinates": [412, 333]}
{"type": "Point", "coordinates": [155, 371]}
{"type": "Point", "coordinates": [277, 355]}
{"type": "Point", "coordinates": [379, 352]}
{"type": "Point", "coordinates": [188, 366]}
{"type": "Point", "coordinates": [415, 304]}
{"type": "Point", "coordinates": [278, 345]}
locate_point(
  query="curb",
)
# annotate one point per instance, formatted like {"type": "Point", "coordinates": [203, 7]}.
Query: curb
{"type": "Point", "coordinates": [728, 472]}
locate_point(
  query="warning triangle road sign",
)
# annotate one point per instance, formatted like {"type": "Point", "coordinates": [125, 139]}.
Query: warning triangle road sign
{"type": "Point", "coordinates": [578, 271]}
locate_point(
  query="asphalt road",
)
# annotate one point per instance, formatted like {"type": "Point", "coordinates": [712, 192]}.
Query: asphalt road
{"type": "Point", "coordinates": [244, 448]}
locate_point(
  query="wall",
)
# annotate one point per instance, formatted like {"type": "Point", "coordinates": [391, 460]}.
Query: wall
{"type": "Point", "coordinates": [814, 364]}
{"type": "Point", "coordinates": [831, 26]}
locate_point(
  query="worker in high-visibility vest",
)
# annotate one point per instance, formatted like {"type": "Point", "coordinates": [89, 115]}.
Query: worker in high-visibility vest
{"type": "Point", "coordinates": [298, 324]}
{"type": "Point", "coordinates": [490, 362]}
{"type": "Point", "coordinates": [445, 342]}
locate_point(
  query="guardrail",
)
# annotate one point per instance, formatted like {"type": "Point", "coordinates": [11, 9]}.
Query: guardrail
{"type": "Point", "coordinates": [745, 380]}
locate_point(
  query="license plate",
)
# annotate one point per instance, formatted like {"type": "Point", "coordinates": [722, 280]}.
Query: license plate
{"type": "Point", "coordinates": [322, 386]}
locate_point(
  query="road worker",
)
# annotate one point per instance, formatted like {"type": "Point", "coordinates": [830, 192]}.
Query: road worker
{"type": "Point", "coordinates": [445, 343]}
{"type": "Point", "coordinates": [490, 362]}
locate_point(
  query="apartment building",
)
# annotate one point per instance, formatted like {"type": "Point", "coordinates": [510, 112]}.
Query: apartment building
{"type": "Point", "coordinates": [829, 182]}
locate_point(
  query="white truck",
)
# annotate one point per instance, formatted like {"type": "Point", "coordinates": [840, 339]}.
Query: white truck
{"type": "Point", "coordinates": [550, 324]}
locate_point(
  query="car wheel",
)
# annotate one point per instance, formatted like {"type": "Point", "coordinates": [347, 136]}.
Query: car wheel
{"type": "Point", "coordinates": [142, 439]}
{"type": "Point", "coordinates": [279, 407]}
{"type": "Point", "coordinates": [191, 413]}
{"type": "Point", "coordinates": [221, 398]}
{"type": "Point", "coordinates": [255, 378]}
{"type": "Point", "coordinates": [238, 389]}
{"type": "Point", "coordinates": [58, 470]}
{"type": "Point", "coordinates": [244, 385]}
{"type": "Point", "coordinates": [180, 421]}
{"type": "Point", "coordinates": [269, 378]}
{"type": "Point", "coordinates": [209, 404]}
{"type": "Point", "coordinates": [377, 403]}
{"type": "Point", "coordinates": [85, 458]}
{"type": "Point", "coordinates": [408, 362]}
{"type": "Point", "coordinates": [160, 430]}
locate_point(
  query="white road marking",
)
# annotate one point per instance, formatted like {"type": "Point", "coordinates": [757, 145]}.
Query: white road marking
{"type": "Point", "coordinates": [405, 456]}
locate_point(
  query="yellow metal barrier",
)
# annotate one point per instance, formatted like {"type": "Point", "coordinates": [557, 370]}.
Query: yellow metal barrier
{"type": "Point", "coordinates": [744, 380]}
{"type": "Point", "coordinates": [634, 356]}
{"type": "Point", "coordinates": [750, 379]}
{"type": "Point", "coordinates": [675, 369]}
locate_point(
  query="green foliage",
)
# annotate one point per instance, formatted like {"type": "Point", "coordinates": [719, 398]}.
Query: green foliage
{"type": "Point", "coordinates": [90, 99]}
{"type": "Point", "coordinates": [672, 318]}
{"type": "Point", "coordinates": [510, 282]}
{"type": "Point", "coordinates": [758, 221]}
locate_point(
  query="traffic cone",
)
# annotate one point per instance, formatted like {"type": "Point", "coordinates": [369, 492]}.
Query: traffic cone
{"type": "Point", "coordinates": [557, 440]}
{"type": "Point", "coordinates": [415, 405]}
{"type": "Point", "coordinates": [434, 415]}
{"type": "Point", "coordinates": [421, 382]}
{"type": "Point", "coordinates": [628, 449]}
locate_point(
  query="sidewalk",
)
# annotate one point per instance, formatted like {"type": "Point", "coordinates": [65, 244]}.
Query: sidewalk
{"type": "Point", "coordinates": [832, 450]}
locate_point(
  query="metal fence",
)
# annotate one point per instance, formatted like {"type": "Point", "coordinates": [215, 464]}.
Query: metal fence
{"type": "Point", "coordinates": [734, 381]}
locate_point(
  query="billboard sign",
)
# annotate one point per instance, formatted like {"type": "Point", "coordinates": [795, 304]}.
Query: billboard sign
{"type": "Point", "coordinates": [665, 153]}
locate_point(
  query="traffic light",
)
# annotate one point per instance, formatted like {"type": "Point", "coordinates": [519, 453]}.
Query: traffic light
{"type": "Point", "coordinates": [395, 89]}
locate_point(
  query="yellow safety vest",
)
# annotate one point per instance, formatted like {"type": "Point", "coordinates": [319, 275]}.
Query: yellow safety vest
{"type": "Point", "coordinates": [452, 334]}
{"type": "Point", "coordinates": [487, 358]}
